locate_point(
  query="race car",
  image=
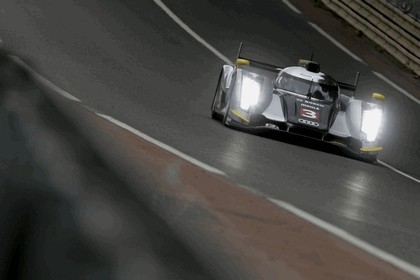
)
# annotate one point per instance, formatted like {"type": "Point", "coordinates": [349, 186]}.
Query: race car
{"type": "Point", "coordinates": [299, 100]}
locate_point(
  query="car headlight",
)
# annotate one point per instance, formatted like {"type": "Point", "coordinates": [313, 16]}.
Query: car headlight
{"type": "Point", "coordinates": [371, 122]}
{"type": "Point", "coordinates": [250, 93]}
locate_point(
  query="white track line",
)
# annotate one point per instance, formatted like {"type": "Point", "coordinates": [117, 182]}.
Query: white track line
{"type": "Point", "coordinates": [401, 264]}
{"type": "Point", "coordinates": [120, 124]}
{"type": "Point", "coordinates": [162, 145]}
{"type": "Point", "coordinates": [363, 245]}
{"type": "Point", "coordinates": [222, 57]}
{"type": "Point", "coordinates": [404, 266]}
{"type": "Point", "coordinates": [398, 171]}
{"type": "Point", "coordinates": [191, 32]}
{"type": "Point", "coordinates": [291, 7]}
{"type": "Point", "coordinates": [382, 77]}
{"type": "Point", "coordinates": [411, 269]}
{"type": "Point", "coordinates": [335, 42]}
{"type": "Point", "coordinates": [43, 80]}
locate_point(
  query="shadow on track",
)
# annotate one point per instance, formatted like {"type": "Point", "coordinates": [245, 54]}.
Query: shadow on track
{"type": "Point", "coordinates": [64, 211]}
{"type": "Point", "coordinates": [305, 142]}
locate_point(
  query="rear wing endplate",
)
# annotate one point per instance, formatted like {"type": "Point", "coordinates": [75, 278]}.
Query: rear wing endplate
{"type": "Point", "coordinates": [240, 60]}
{"type": "Point", "coordinates": [349, 86]}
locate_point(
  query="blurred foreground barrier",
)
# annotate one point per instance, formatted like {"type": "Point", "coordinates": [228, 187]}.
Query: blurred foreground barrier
{"type": "Point", "coordinates": [387, 26]}
{"type": "Point", "coordinates": [82, 198]}
{"type": "Point", "coordinates": [64, 212]}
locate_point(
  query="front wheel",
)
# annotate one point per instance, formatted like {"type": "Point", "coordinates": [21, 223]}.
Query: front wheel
{"type": "Point", "coordinates": [226, 116]}
{"type": "Point", "coordinates": [372, 159]}
{"type": "Point", "coordinates": [216, 98]}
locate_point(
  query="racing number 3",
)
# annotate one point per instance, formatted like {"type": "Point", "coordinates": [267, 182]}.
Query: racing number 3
{"type": "Point", "coordinates": [309, 113]}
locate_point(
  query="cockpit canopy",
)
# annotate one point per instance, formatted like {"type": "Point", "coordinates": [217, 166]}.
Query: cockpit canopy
{"type": "Point", "coordinates": [300, 81]}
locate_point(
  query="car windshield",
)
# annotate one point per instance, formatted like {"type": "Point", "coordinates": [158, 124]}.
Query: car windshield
{"type": "Point", "coordinates": [300, 86]}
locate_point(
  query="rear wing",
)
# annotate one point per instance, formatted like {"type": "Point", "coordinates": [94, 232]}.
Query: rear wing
{"type": "Point", "coordinates": [350, 87]}
{"type": "Point", "coordinates": [240, 60]}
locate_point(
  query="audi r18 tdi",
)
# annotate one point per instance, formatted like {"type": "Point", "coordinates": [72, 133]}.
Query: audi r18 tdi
{"type": "Point", "coordinates": [299, 100]}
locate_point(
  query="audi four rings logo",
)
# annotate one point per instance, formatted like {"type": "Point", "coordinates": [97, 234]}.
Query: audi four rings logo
{"type": "Point", "coordinates": [308, 122]}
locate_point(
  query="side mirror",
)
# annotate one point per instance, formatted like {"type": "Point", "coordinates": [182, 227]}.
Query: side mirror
{"type": "Point", "coordinates": [378, 97]}
{"type": "Point", "coordinates": [241, 61]}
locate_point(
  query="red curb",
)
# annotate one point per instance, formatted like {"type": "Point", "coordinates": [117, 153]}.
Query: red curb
{"type": "Point", "coordinates": [261, 237]}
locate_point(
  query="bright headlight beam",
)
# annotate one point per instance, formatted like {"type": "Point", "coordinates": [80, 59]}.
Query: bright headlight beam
{"type": "Point", "coordinates": [371, 122]}
{"type": "Point", "coordinates": [250, 93]}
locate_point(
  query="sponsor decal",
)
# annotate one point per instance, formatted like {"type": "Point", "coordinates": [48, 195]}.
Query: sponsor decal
{"type": "Point", "coordinates": [306, 75]}
{"type": "Point", "coordinates": [309, 106]}
{"type": "Point", "coordinates": [309, 102]}
{"type": "Point", "coordinates": [273, 126]}
{"type": "Point", "coordinates": [310, 114]}
{"type": "Point", "coordinates": [308, 122]}
{"type": "Point", "coordinates": [313, 103]}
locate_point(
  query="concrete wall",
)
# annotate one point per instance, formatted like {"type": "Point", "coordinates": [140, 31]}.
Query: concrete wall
{"type": "Point", "coordinates": [387, 26]}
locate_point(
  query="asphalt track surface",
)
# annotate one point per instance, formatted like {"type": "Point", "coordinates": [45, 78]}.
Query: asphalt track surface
{"type": "Point", "coordinates": [129, 60]}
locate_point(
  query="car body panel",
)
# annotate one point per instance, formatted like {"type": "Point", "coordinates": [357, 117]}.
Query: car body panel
{"type": "Point", "coordinates": [249, 96]}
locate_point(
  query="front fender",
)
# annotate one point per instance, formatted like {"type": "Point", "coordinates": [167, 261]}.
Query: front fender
{"type": "Point", "coordinates": [227, 73]}
{"type": "Point", "coordinates": [264, 97]}
{"type": "Point", "coordinates": [348, 123]}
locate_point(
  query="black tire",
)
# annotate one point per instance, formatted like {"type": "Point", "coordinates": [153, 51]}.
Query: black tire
{"type": "Point", "coordinates": [214, 114]}
{"type": "Point", "coordinates": [372, 159]}
{"type": "Point", "coordinates": [226, 114]}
